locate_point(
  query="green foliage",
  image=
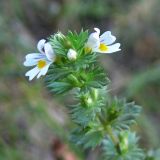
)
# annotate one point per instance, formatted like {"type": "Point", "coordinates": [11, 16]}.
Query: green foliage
{"type": "Point", "coordinates": [153, 155]}
{"type": "Point", "coordinates": [95, 121]}
{"type": "Point", "coordinates": [98, 117]}
{"type": "Point", "coordinates": [144, 79]}
{"type": "Point", "coordinates": [128, 148]}
{"type": "Point", "coordinates": [62, 43]}
{"type": "Point", "coordinates": [65, 74]}
{"type": "Point", "coordinates": [87, 137]}
{"type": "Point", "coordinates": [90, 103]}
{"type": "Point", "coordinates": [63, 79]}
{"type": "Point", "coordinates": [119, 114]}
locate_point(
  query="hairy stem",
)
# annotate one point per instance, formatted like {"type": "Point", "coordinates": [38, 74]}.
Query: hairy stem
{"type": "Point", "coordinates": [113, 138]}
{"type": "Point", "coordinates": [111, 134]}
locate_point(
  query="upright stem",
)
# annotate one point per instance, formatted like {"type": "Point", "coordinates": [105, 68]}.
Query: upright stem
{"type": "Point", "coordinates": [113, 138]}
{"type": "Point", "coordinates": [109, 131]}
{"type": "Point", "coordinates": [111, 134]}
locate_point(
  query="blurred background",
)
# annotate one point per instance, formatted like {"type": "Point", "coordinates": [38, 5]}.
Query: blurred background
{"type": "Point", "coordinates": [33, 123]}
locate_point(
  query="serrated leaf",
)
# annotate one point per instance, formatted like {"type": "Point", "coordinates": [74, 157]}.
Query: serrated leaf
{"type": "Point", "coordinates": [59, 87]}
{"type": "Point", "coordinates": [86, 111]}
{"type": "Point", "coordinates": [119, 114]}
{"type": "Point", "coordinates": [128, 146]}
{"type": "Point", "coordinates": [86, 139]}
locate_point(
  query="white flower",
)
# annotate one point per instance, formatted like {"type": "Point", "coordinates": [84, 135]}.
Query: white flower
{"type": "Point", "coordinates": [41, 60]}
{"type": "Point", "coordinates": [46, 49]}
{"type": "Point", "coordinates": [103, 43]}
{"type": "Point", "coordinates": [72, 54]}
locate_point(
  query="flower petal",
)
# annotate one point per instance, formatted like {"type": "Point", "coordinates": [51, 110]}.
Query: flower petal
{"type": "Point", "coordinates": [111, 49]}
{"type": "Point", "coordinates": [32, 73]}
{"type": "Point", "coordinates": [49, 51]}
{"type": "Point", "coordinates": [114, 48]}
{"type": "Point", "coordinates": [97, 30]}
{"type": "Point", "coordinates": [93, 41]}
{"type": "Point", "coordinates": [34, 56]}
{"type": "Point", "coordinates": [40, 45]}
{"type": "Point", "coordinates": [30, 62]}
{"type": "Point", "coordinates": [107, 38]}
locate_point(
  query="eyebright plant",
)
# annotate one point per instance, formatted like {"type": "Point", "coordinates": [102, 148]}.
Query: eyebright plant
{"type": "Point", "coordinates": [70, 63]}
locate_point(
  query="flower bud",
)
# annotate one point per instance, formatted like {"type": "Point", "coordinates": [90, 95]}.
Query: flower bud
{"type": "Point", "coordinates": [89, 101]}
{"type": "Point", "coordinates": [94, 94]}
{"type": "Point", "coordinates": [67, 44]}
{"type": "Point", "coordinates": [72, 54]}
{"type": "Point", "coordinates": [73, 80]}
{"type": "Point", "coordinates": [124, 141]}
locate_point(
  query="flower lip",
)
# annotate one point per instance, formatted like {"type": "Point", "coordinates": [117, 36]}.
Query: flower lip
{"type": "Point", "coordinates": [33, 58]}
{"type": "Point", "coordinates": [103, 47]}
{"type": "Point", "coordinates": [111, 48]}
{"type": "Point", "coordinates": [40, 69]}
{"type": "Point", "coordinates": [32, 73]}
{"type": "Point", "coordinates": [41, 64]}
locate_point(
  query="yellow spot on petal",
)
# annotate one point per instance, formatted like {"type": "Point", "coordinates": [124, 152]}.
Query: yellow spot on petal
{"type": "Point", "coordinates": [41, 64]}
{"type": "Point", "coordinates": [87, 49]}
{"type": "Point", "coordinates": [103, 47]}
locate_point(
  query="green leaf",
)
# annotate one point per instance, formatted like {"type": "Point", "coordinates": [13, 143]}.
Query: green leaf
{"type": "Point", "coordinates": [128, 148]}
{"type": "Point", "coordinates": [119, 114]}
{"type": "Point", "coordinates": [59, 87]}
{"type": "Point", "coordinates": [64, 74]}
{"type": "Point", "coordinates": [57, 42]}
{"type": "Point", "coordinates": [88, 107]}
{"type": "Point", "coordinates": [153, 155]}
{"type": "Point", "coordinates": [82, 136]}
{"type": "Point", "coordinates": [77, 40]}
